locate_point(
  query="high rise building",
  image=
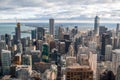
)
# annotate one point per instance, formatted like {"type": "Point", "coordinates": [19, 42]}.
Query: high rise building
{"type": "Point", "coordinates": [108, 53]}
{"type": "Point", "coordinates": [17, 32]}
{"type": "Point", "coordinates": [51, 26]}
{"type": "Point", "coordinates": [77, 72]}
{"type": "Point", "coordinates": [115, 60]}
{"type": "Point", "coordinates": [19, 47]}
{"type": "Point", "coordinates": [45, 52]}
{"type": "Point", "coordinates": [117, 29]}
{"type": "Point", "coordinates": [93, 63]}
{"type": "Point", "coordinates": [118, 73]}
{"type": "Point", "coordinates": [60, 33]}
{"type": "Point", "coordinates": [6, 61]}
{"type": "Point", "coordinates": [61, 47]}
{"type": "Point", "coordinates": [40, 33]}
{"type": "Point", "coordinates": [36, 55]}
{"type": "Point", "coordinates": [105, 41]}
{"type": "Point", "coordinates": [27, 60]}
{"type": "Point", "coordinates": [33, 34]}
{"type": "Point", "coordinates": [96, 25]}
{"type": "Point", "coordinates": [102, 29]}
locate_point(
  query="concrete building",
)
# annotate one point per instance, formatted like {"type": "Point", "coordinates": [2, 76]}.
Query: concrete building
{"type": "Point", "coordinates": [62, 48]}
{"type": "Point", "coordinates": [93, 63]}
{"type": "Point", "coordinates": [115, 60]}
{"type": "Point", "coordinates": [6, 61]}
{"type": "Point", "coordinates": [77, 72]}
{"type": "Point", "coordinates": [70, 60]}
{"type": "Point", "coordinates": [118, 73]}
{"type": "Point", "coordinates": [108, 53]}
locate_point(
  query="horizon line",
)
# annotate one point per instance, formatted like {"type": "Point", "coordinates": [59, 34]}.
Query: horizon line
{"type": "Point", "coordinates": [56, 21]}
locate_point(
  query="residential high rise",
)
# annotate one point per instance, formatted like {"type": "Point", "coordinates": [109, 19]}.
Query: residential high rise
{"type": "Point", "coordinates": [96, 25]}
{"type": "Point", "coordinates": [6, 61]}
{"type": "Point", "coordinates": [51, 26]}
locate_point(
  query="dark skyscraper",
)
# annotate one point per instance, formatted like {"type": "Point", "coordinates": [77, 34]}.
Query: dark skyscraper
{"type": "Point", "coordinates": [51, 26]}
{"type": "Point", "coordinates": [45, 52]}
{"type": "Point", "coordinates": [96, 25]}
{"type": "Point", "coordinates": [105, 41]}
{"type": "Point", "coordinates": [33, 34]}
{"type": "Point", "coordinates": [40, 33]}
{"type": "Point", "coordinates": [117, 29]}
{"type": "Point", "coordinates": [17, 32]}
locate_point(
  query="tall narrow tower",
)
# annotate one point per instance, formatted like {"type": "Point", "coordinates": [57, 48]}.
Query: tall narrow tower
{"type": "Point", "coordinates": [51, 26]}
{"type": "Point", "coordinates": [96, 25]}
{"type": "Point", "coordinates": [17, 32]}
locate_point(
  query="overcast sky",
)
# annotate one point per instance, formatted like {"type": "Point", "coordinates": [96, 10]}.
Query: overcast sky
{"type": "Point", "coordinates": [60, 10]}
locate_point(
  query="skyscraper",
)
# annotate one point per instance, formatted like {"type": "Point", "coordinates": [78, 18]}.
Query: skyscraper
{"type": "Point", "coordinates": [96, 25]}
{"type": "Point", "coordinates": [117, 29]}
{"type": "Point", "coordinates": [108, 52]}
{"type": "Point", "coordinates": [6, 61]}
{"type": "Point", "coordinates": [51, 26]}
{"type": "Point", "coordinates": [115, 60]}
{"type": "Point", "coordinates": [45, 52]}
{"type": "Point", "coordinates": [40, 33]}
{"type": "Point", "coordinates": [105, 41]}
{"type": "Point", "coordinates": [17, 32]}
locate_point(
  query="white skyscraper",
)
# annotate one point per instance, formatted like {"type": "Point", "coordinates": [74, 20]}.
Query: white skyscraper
{"type": "Point", "coordinates": [108, 52]}
{"type": "Point", "coordinates": [6, 61]}
{"type": "Point", "coordinates": [115, 60]}
{"type": "Point", "coordinates": [93, 63]}
{"type": "Point", "coordinates": [51, 26]}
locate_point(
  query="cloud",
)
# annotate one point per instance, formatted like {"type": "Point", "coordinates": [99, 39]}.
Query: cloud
{"type": "Point", "coordinates": [60, 9]}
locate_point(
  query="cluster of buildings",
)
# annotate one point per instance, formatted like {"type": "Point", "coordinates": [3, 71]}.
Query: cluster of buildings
{"type": "Point", "coordinates": [61, 54]}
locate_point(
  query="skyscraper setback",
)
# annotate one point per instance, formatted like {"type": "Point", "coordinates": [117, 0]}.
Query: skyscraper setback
{"type": "Point", "coordinates": [51, 26]}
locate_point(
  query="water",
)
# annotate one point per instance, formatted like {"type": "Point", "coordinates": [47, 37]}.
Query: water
{"type": "Point", "coordinates": [9, 28]}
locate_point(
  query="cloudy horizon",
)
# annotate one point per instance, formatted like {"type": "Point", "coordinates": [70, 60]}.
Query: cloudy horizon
{"type": "Point", "coordinates": [61, 11]}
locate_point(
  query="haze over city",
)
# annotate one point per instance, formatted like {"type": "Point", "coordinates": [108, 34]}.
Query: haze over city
{"type": "Point", "coordinates": [61, 11]}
